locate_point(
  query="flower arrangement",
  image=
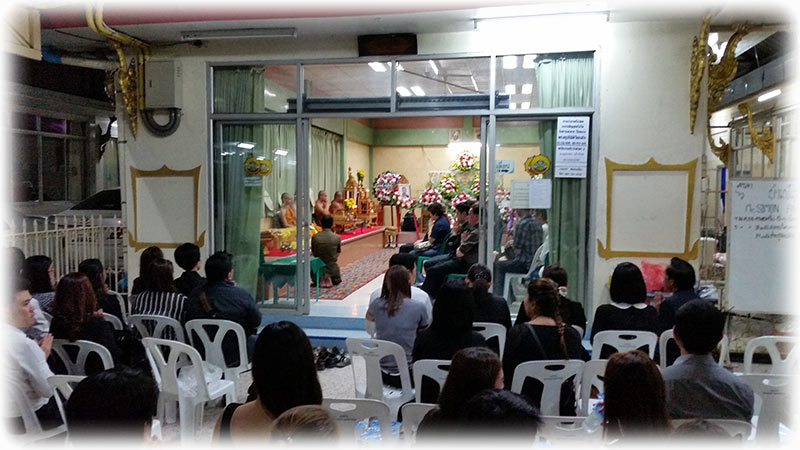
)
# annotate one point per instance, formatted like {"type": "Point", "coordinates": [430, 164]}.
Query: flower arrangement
{"type": "Point", "coordinates": [349, 203]}
{"type": "Point", "coordinates": [461, 198]}
{"type": "Point", "coordinates": [451, 219]}
{"type": "Point", "coordinates": [476, 185]}
{"type": "Point", "coordinates": [360, 174]}
{"type": "Point", "coordinates": [465, 162]}
{"type": "Point", "coordinates": [429, 196]}
{"type": "Point", "coordinates": [402, 200]}
{"type": "Point", "coordinates": [384, 185]}
{"type": "Point", "coordinates": [448, 186]}
{"type": "Point", "coordinates": [505, 213]}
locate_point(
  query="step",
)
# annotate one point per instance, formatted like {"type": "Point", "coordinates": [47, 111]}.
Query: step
{"type": "Point", "coordinates": [323, 330]}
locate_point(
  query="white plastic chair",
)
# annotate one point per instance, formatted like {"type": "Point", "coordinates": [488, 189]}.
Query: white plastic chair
{"type": "Point", "coordinates": [579, 330]}
{"type": "Point", "coordinates": [153, 326]}
{"type": "Point", "coordinates": [565, 430]}
{"type": "Point", "coordinates": [213, 347]}
{"type": "Point", "coordinates": [77, 366]}
{"type": "Point", "coordinates": [490, 330]}
{"type": "Point", "coordinates": [33, 428]}
{"type": "Point", "coordinates": [775, 395]}
{"type": "Point", "coordinates": [538, 260]}
{"type": "Point", "coordinates": [413, 413]}
{"type": "Point", "coordinates": [623, 341]}
{"type": "Point", "coordinates": [591, 376]}
{"type": "Point", "coordinates": [122, 306]}
{"type": "Point", "coordinates": [113, 320]}
{"type": "Point", "coordinates": [64, 383]}
{"type": "Point", "coordinates": [551, 373]}
{"type": "Point", "coordinates": [666, 336]}
{"type": "Point", "coordinates": [436, 369]}
{"type": "Point", "coordinates": [347, 412]}
{"type": "Point", "coordinates": [165, 370]}
{"type": "Point", "coordinates": [724, 351]}
{"type": "Point", "coordinates": [780, 366]}
{"type": "Point", "coordinates": [372, 350]}
{"type": "Point", "coordinates": [735, 428]}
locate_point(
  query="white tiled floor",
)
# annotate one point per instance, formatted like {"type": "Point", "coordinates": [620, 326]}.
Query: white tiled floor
{"type": "Point", "coordinates": [354, 305]}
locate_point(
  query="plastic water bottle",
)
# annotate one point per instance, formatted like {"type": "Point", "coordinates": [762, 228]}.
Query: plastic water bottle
{"type": "Point", "coordinates": [595, 420]}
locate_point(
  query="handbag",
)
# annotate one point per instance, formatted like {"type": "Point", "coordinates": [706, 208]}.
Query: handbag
{"type": "Point", "coordinates": [422, 246]}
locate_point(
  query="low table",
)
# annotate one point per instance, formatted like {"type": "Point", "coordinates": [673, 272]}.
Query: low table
{"type": "Point", "coordinates": [283, 271]}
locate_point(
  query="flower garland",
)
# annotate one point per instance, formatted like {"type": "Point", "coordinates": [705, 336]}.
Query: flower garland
{"type": "Point", "coordinates": [461, 198]}
{"type": "Point", "coordinates": [476, 185]}
{"type": "Point", "coordinates": [448, 186]}
{"type": "Point", "coordinates": [465, 162]}
{"type": "Point", "coordinates": [429, 196]}
{"type": "Point", "coordinates": [384, 185]}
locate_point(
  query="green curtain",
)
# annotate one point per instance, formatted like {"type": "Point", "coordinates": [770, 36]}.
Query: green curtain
{"type": "Point", "coordinates": [240, 90]}
{"type": "Point", "coordinates": [563, 81]}
{"type": "Point", "coordinates": [325, 163]}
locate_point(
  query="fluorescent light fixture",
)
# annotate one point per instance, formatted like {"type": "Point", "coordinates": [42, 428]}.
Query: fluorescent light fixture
{"type": "Point", "coordinates": [512, 106]}
{"type": "Point", "coordinates": [525, 105]}
{"type": "Point", "coordinates": [246, 145]}
{"type": "Point", "coordinates": [377, 67]}
{"type": "Point", "coordinates": [417, 91]}
{"type": "Point", "coordinates": [399, 66]}
{"type": "Point", "coordinates": [292, 163]}
{"type": "Point", "coordinates": [541, 24]}
{"type": "Point", "coordinates": [434, 67]}
{"type": "Point", "coordinates": [511, 89]}
{"type": "Point", "coordinates": [474, 83]}
{"type": "Point", "coordinates": [403, 91]}
{"type": "Point", "coordinates": [267, 92]}
{"type": "Point", "coordinates": [509, 62]}
{"type": "Point", "coordinates": [242, 33]}
{"type": "Point", "coordinates": [281, 152]}
{"type": "Point", "coordinates": [114, 125]}
{"type": "Point", "coordinates": [527, 88]}
{"type": "Point", "coordinates": [529, 61]}
{"type": "Point", "coordinates": [769, 95]}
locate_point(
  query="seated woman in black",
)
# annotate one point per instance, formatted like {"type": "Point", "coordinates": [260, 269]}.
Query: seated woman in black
{"type": "Point", "coordinates": [488, 307]}
{"type": "Point", "coordinates": [571, 312]}
{"type": "Point", "coordinates": [545, 337]}
{"type": "Point", "coordinates": [627, 310]}
{"type": "Point", "coordinates": [107, 300]}
{"type": "Point", "coordinates": [450, 331]}
{"type": "Point", "coordinates": [75, 316]}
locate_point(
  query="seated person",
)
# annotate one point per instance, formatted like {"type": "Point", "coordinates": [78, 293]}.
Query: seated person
{"type": "Point", "coordinates": [571, 312]}
{"type": "Point", "coordinates": [503, 415]}
{"type": "Point", "coordinates": [117, 404]}
{"type": "Point", "coordinates": [287, 213]}
{"type": "Point", "coordinates": [220, 298]}
{"type": "Point", "coordinates": [462, 226]}
{"type": "Point", "coordinates": [440, 229]}
{"type": "Point", "coordinates": [26, 368]}
{"type": "Point", "coordinates": [466, 256]}
{"type": "Point", "coordinates": [410, 263]}
{"type": "Point", "coordinates": [160, 297]}
{"type": "Point", "coordinates": [696, 386]}
{"type": "Point", "coordinates": [321, 206]}
{"type": "Point", "coordinates": [628, 310]}
{"type": "Point", "coordinates": [304, 425]}
{"type": "Point", "coordinates": [326, 245]}
{"type": "Point", "coordinates": [188, 258]}
{"type": "Point", "coordinates": [528, 236]}
{"type": "Point", "coordinates": [337, 204]}
{"type": "Point", "coordinates": [397, 317]}
{"type": "Point", "coordinates": [679, 279]}
{"type": "Point", "coordinates": [107, 300]}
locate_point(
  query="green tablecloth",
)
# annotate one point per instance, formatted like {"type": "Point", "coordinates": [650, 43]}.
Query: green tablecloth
{"type": "Point", "coordinates": [283, 271]}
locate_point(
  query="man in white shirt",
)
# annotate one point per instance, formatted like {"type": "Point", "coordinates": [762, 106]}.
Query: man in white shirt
{"type": "Point", "coordinates": [27, 368]}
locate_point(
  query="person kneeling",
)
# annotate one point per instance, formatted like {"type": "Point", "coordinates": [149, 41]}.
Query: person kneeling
{"type": "Point", "coordinates": [326, 245]}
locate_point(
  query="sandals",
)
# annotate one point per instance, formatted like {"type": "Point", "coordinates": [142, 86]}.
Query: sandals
{"type": "Point", "coordinates": [328, 359]}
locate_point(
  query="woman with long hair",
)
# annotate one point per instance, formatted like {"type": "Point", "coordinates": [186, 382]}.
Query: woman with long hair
{"type": "Point", "coordinates": [40, 273]}
{"type": "Point", "coordinates": [472, 370]}
{"type": "Point", "coordinates": [75, 316]}
{"type": "Point", "coordinates": [450, 331]}
{"type": "Point", "coordinates": [107, 300]}
{"type": "Point", "coordinates": [284, 376]}
{"type": "Point", "coordinates": [635, 398]}
{"type": "Point", "coordinates": [627, 310]}
{"type": "Point", "coordinates": [149, 255]}
{"type": "Point", "coordinates": [397, 318]}
{"type": "Point", "coordinates": [544, 337]}
{"type": "Point", "coordinates": [161, 298]}
{"type": "Point", "coordinates": [488, 307]}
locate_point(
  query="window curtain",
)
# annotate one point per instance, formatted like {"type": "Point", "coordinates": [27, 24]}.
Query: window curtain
{"type": "Point", "coordinates": [325, 163]}
{"type": "Point", "coordinates": [283, 178]}
{"type": "Point", "coordinates": [563, 81]}
{"type": "Point", "coordinates": [240, 90]}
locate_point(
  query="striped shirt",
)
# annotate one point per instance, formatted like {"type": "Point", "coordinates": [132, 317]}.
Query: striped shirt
{"type": "Point", "coordinates": [170, 304]}
{"type": "Point", "coordinates": [45, 300]}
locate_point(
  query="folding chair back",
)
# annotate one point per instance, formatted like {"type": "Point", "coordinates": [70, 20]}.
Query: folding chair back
{"type": "Point", "coordinates": [75, 354]}
{"type": "Point", "coordinates": [348, 412]}
{"type": "Point", "coordinates": [623, 341]}
{"type": "Point", "coordinates": [436, 369]}
{"type": "Point", "coordinates": [552, 374]}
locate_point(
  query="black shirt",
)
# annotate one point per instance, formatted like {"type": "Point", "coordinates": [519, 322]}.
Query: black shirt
{"type": "Point", "coordinates": [493, 310]}
{"type": "Point", "coordinates": [94, 329]}
{"type": "Point", "coordinates": [110, 305]}
{"type": "Point", "coordinates": [571, 313]}
{"type": "Point", "coordinates": [188, 282]}
{"type": "Point", "coordinates": [610, 317]}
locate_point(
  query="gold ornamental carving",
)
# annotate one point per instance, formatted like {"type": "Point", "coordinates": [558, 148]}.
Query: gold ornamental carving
{"type": "Point", "coordinates": [128, 84]}
{"type": "Point", "coordinates": [698, 67]}
{"type": "Point", "coordinates": [765, 141]}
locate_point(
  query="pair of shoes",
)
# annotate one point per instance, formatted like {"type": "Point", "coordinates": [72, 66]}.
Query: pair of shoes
{"type": "Point", "coordinates": [321, 354]}
{"type": "Point", "coordinates": [337, 358]}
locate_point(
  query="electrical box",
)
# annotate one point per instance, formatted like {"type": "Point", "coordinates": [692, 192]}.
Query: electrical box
{"type": "Point", "coordinates": [162, 85]}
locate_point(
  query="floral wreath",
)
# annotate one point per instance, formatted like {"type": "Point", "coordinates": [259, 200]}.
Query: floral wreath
{"type": "Point", "coordinates": [476, 185]}
{"type": "Point", "coordinates": [384, 186]}
{"type": "Point", "coordinates": [448, 186]}
{"type": "Point", "coordinates": [402, 200]}
{"type": "Point", "coordinates": [461, 198]}
{"type": "Point", "coordinates": [429, 196]}
{"type": "Point", "coordinates": [465, 162]}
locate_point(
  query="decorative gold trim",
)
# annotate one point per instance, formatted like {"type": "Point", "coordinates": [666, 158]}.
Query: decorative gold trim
{"type": "Point", "coordinates": [164, 171]}
{"type": "Point", "coordinates": [689, 252]}
{"type": "Point", "coordinates": [764, 141]}
{"type": "Point", "coordinates": [698, 67]}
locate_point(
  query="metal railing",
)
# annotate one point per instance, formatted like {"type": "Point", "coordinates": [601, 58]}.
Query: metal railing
{"type": "Point", "coordinates": [70, 240]}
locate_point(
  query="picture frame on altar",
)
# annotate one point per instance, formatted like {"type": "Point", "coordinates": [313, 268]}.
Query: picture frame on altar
{"type": "Point", "coordinates": [404, 190]}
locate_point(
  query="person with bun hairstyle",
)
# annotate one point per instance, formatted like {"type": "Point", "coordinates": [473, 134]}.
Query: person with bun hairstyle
{"type": "Point", "coordinates": [488, 307]}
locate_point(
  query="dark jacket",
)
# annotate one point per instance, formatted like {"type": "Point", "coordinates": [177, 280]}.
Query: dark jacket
{"type": "Point", "coordinates": [188, 282]}
{"type": "Point", "coordinates": [229, 302]}
{"type": "Point", "coordinates": [94, 329]}
{"type": "Point", "coordinates": [571, 313]}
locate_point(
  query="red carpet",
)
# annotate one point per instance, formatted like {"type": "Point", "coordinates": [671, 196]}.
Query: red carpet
{"type": "Point", "coordinates": [346, 236]}
{"type": "Point", "coordinates": [358, 273]}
